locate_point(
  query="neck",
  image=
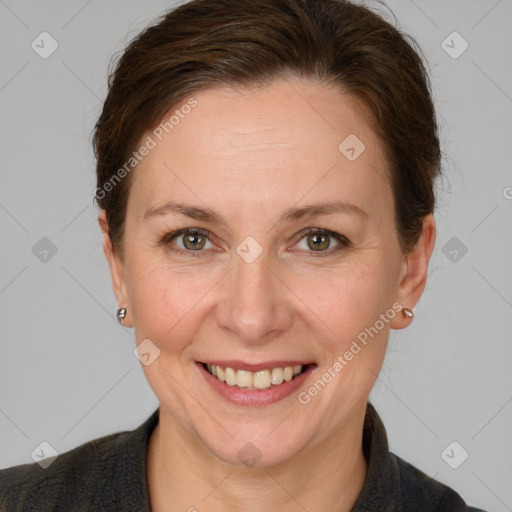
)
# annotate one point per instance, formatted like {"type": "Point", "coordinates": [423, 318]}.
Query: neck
{"type": "Point", "coordinates": [326, 476]}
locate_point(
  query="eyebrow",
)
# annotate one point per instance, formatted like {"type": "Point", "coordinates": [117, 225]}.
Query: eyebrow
{"type": "Point", "coordinates": [293, 214]}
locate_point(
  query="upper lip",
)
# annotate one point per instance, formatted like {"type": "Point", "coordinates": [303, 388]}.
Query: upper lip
{"type": "Point", "coordinates": [242, 365]}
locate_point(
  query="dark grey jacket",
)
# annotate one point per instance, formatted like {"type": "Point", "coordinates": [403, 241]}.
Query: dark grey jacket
{"type": "Point", "coordinates": [109, 474]}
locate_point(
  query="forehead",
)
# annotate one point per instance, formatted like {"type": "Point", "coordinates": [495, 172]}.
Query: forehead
{"type": "Point", "coordinates": [290, 139]}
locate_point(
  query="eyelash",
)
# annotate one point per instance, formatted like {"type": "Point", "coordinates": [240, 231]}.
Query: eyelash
{"type": "Point", "coordinates": [343, 241]}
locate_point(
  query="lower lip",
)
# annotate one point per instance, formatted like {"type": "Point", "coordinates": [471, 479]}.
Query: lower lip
{"type": "Point", "coordinates": [254, 397]}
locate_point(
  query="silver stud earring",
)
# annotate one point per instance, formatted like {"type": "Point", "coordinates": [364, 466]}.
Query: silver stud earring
{"type": "Point", "coordinates": [121, 314]}
{"type": "Point", "coordinates": [407, 313]}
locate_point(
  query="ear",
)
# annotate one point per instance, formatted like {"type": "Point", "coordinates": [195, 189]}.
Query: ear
{"type": "Point", "coordinates": [116, 270]}
{"type": "Point", "coordinates": [414, 274]}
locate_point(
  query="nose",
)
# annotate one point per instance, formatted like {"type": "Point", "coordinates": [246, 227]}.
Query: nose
{"type": "Point", "coordinates": [255, 306]}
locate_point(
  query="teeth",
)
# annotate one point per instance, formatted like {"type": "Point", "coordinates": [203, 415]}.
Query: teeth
{"type": "Point", "coordinates": [243, 379]}
{"type": "Point", "coordinates": [262, 379]}
{"type": "Point", "coordinates": [230, 376]}
{"type": "Point", "coordinates": [277, 376]}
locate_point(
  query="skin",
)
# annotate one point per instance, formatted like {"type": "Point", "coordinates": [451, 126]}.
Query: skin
{"type": "Point", "coordinates": [250, 155]}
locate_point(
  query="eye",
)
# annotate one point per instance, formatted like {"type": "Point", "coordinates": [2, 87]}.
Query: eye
{"type": "Point", "coordinates": [315, 240]}
{"type": "Point", "coordinates": [189, 240]}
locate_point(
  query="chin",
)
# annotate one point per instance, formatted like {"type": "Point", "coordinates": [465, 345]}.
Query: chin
{"type": "Point", "coordinates": [256, 452]}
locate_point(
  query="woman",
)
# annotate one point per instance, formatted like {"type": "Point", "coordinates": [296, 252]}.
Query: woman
{"type": "Point", "coordinates": [265, 178]}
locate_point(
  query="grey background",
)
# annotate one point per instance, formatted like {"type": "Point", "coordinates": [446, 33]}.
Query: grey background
{"type": "Point", "coordinates": [67, 371]}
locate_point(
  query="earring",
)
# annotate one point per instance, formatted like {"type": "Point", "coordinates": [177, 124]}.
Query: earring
{"type": "Point", "coordinates": [121, 313]}
{"type": "Point", "coordinates": [407, 313]}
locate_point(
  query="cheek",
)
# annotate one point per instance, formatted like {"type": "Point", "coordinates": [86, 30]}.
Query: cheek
{"type": "Point", "coordinates": [354, 310]}
{"type": "Point", "coordinates": [344, 299]}
{"type": "Point", "coordinates": [170, 303]}
{"type": "Point", "coordinates": [160, 301]}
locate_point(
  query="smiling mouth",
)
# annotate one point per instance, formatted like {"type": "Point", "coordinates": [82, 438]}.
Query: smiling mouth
{"type": "Point", "coordinates": [260, 380]}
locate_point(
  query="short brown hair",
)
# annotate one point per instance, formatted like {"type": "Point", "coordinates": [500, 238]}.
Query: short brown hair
{"type": "Point", "coordinates": [204, 43]}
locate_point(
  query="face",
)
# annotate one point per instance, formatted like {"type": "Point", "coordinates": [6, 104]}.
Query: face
{"type": "Point", "coordinates": [247, 286]}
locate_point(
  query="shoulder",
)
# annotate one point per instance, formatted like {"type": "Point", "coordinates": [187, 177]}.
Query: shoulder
{"type": "Point", "coordinates": [96, 475]}
{"type": "Point", "coordinates": [393, 484]}
{"type": "Point", "coordinates": [80, 469]}
{"type": "Point", "coordinates": [418, 489]}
